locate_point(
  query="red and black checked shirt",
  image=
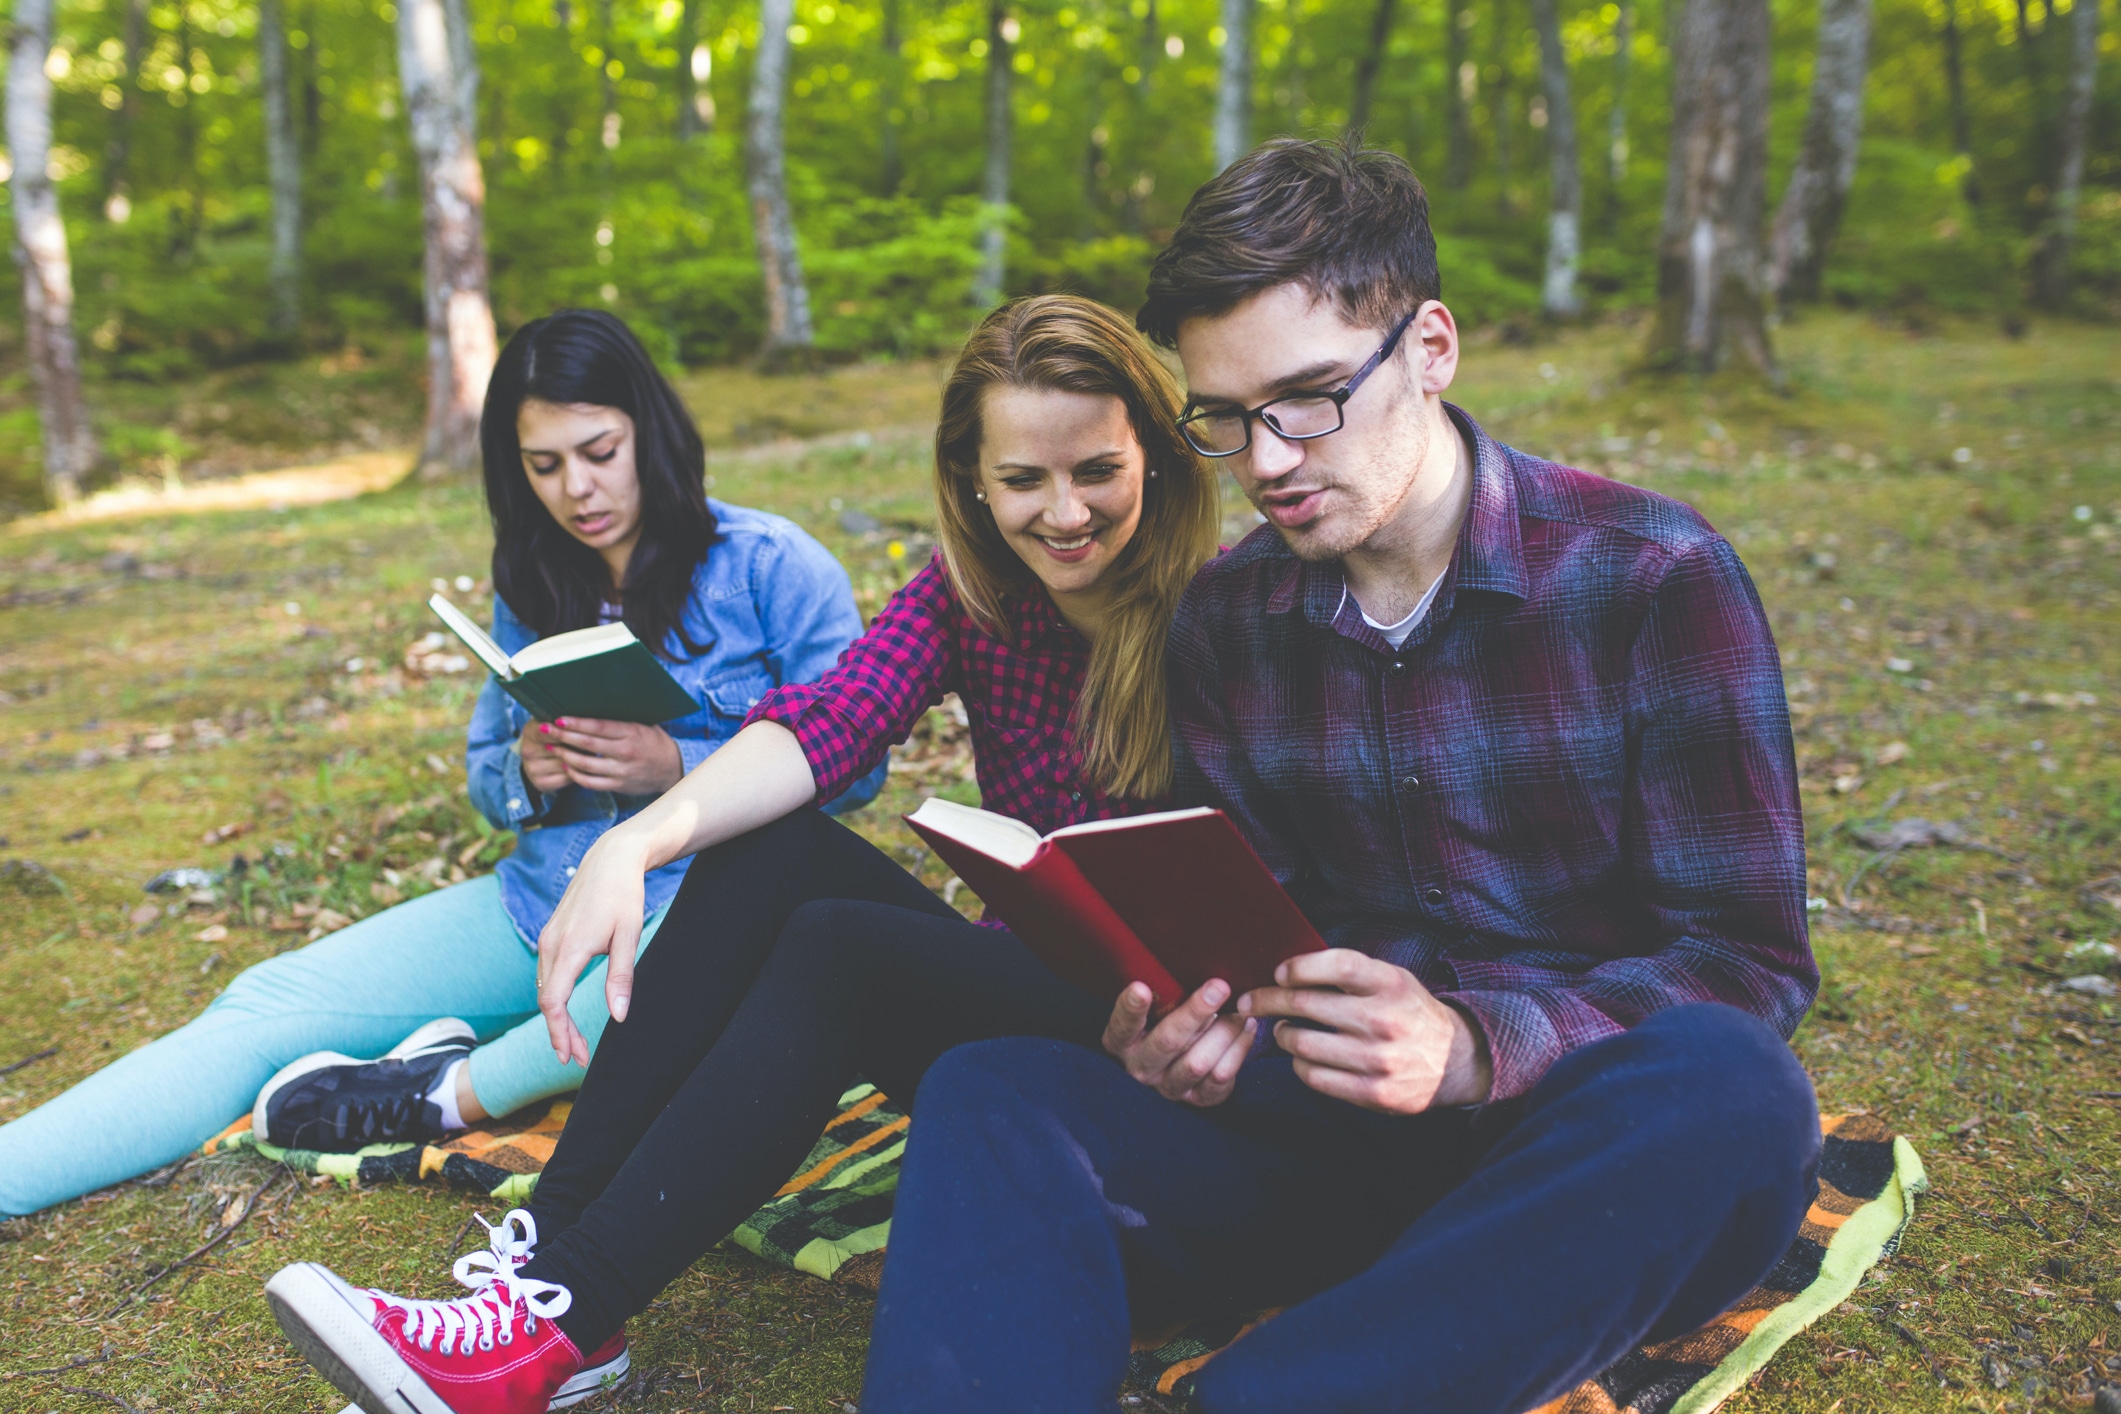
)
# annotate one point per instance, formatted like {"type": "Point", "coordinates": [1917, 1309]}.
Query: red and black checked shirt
{"type": "Point", "coordinates": [1567, 801]}
{"type": "Point", "coordinates": [1018, 698]}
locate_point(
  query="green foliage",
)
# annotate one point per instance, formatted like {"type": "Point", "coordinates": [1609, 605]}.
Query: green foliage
{"type": "Point", "coordinates": [163, 174]}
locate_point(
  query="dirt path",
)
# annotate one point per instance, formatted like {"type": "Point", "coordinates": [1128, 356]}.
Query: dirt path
{"type": "Point", "coordinates": [290, 486]}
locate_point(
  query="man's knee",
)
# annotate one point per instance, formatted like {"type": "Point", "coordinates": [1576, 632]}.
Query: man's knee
{"type": "Point", "coordinates": [1738, 1084]}
{"type": "Point", "coordinates": [1004, 1074]}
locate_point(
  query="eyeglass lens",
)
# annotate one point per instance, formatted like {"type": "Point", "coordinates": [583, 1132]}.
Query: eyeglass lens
{"type": "Point", "coordinates": [1220, 434]}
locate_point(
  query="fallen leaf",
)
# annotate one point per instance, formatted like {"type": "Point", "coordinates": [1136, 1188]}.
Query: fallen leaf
{"type": "Point", "coordinates": [2071, 1033]}
{"type": "Point", "coordinates": [1844, 785]}
{"type": "Point", "coordinates": [215, 934]}
{"type": "Point", "coordinates": [145, 914]}
{"type": "Point", "coordinates": [1920, 950]}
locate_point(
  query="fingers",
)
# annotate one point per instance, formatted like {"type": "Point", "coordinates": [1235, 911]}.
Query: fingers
{"type": "Point", "coordinates": [1328, 1007]}
{"type": "Point", "coordinates": [1130, 1016]}
{"type": "Point", "coordinates": [1188, 1072]}
{"type": "Point", "coordinates": [1364, 1090]}
{"type": "Point", "coordinates": [618, 974]}
{"type": "Point", "coordinates": [1177, 1032]}
{"type": "Point", "coordinates": [588, 734]}
{"type": "Point", "coordinates": [1355, 1054]}
{"type": "Point", "coordinates": [1221, 1079]}
{"type": "Point", "coordinates": [1342, 968]}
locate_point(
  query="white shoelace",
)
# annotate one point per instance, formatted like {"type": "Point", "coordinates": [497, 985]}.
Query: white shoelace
{"type": "Point", "coordinates": [487, 1317]}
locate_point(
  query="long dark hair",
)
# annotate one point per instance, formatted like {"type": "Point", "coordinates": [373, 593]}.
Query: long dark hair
{"type": "Point", "coordinates": [551, 580]}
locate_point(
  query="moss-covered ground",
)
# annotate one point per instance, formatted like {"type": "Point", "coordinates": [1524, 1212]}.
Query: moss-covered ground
{"type": "Point", "coordinates": [1935, 525]}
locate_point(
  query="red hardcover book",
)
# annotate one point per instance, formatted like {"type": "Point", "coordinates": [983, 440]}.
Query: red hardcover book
{"type": "Point", "coordinates": [1172, 899]}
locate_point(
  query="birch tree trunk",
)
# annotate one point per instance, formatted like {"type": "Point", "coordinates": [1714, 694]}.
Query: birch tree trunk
{"type": "Point", "coordinates": [70, 451]}
{"type": "Point", "coordinates": [788, 335]}
{"type": "Point", "coordinates": [1372, 59]}
{"type": "Point", "coordinates": [1500, 114]}
{"type": "Point", "coordinates": [994, 183]}
{"type": "Point", "coordinates": [1233, 85]}
{"type": "Point", "coordinates": [694, 117]}
{"type": "Point", "coordinates": [1460, 88]}
{"type": "Point", "coordinates": [1826, 162]}
{"type": "Point", "coordinates": [283, 163]}
{"type": "Point", "coordinates": [1558, 297]}
{"type": "Point", "coordinates": [1710, 311]}
{"type": "Point", "coordinates": [1616, 149]}
{"type": "Point", "coordinates": [2051, 270]}
{"type": "Point", "coordinates": [438, 70]}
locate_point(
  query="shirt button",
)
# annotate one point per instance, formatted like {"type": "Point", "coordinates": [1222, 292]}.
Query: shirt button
{"type": "Point", "coordinates": [515, 804]}
{"type": "Point", "coordinates": [1410, 782]}
{"type": "Point", "coordinates": [1433, 897]}
{"type": "Point", "coordinates": [1075, 795]}
{"type": "Point", "coordinates": [1398, 666]}
{"type": "Point", "coordinates": [570, 874]}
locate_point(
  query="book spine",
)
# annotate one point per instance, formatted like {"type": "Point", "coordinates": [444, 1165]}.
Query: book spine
{"type": "Point", "coordinates": [533, 701]}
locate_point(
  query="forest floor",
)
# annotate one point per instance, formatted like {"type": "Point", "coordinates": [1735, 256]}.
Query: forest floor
{"type": "Point", "coordinates": [1935, 525]}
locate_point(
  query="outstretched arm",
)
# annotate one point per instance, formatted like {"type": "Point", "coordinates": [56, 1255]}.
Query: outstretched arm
{"type": "Point", "coordinates": [758, 776]}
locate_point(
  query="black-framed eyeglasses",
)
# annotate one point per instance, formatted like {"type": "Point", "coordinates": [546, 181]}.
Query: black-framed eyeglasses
{"type": "Point", "coordinates": [1215, 432]}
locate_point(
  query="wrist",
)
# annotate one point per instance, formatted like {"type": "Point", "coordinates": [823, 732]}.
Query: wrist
{"type": "Point", "coordinates": [1469, 1074]}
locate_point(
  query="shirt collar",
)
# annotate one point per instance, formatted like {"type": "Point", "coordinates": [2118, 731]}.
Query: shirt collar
{"type": "Point", "coordinates": [1489, 556]}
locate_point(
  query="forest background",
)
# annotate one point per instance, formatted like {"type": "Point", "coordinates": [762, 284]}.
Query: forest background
{"type": "Point", "coordinates": [610, 133]}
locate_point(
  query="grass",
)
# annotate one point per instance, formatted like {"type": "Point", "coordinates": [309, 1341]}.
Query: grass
{"type": "Point", "coordinates": [175, 692]}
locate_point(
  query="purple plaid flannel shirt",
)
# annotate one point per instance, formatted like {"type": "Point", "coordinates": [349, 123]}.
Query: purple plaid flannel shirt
{"type": "Point", "coordinates": [1018, 698]}
{"type": "Point", "coordinates": [1569, 799]}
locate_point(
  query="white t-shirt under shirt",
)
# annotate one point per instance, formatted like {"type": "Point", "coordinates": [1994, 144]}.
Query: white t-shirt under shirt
{"type": "Point", "coordinates": [1396, 634]}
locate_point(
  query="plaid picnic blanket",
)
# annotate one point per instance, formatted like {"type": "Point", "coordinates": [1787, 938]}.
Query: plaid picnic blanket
{"type": "Point", "coordinates": [833, 1218]}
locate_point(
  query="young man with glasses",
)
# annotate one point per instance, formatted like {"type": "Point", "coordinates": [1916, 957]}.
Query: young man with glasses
{"type": "Point", "coordinates": [1514, 737]}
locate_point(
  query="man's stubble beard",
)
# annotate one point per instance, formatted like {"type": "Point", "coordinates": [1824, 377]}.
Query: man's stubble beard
{"type": "Point", "coordinates": [1365, 518]}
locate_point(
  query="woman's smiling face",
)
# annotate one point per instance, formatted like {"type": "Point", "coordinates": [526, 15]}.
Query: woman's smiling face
{"type": "Point", "coordinates": [579, 459]}
{"type": "Point", "coordinates": [1063, 474]}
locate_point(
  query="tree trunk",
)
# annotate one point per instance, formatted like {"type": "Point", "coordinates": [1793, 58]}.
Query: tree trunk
{"type": "Point", "coordinates": [70, 451]}
{"type": "Point", "coordinates": [2051, 268]}
{"type": "Point", "coordinates": [438, 71]}
{"type": "Point", "coordinates": [788, 335]}
{"type": "Point", "coordinates": [1372, 59]}
{"type": "Point", "coordinates": [1558, 296]}
{"type": "Point", "coordinates": [994, 184]}
{"type": "Point", "coordinates": [1616, 149]}
{"type": "Point", "coordinates": [1955, 97]}
{"type": "Point", "coordinates": [283, 162]}
{"type": "Point", "coordinates": [1233, 84]}
{"type": "Point", "coordinates": [695, 65]}
{"type": "Point", "coordinates": [117, 194]}
{"type": "Point", "coordinates": [1460, 87]}
{"type": "Point", "coordinates": [608, 95]}
{"type": "Point", "coordinates": [1135, 200]}
{"type": "Point", "coordinates": [1826, 161]}
{"type": "Point", "coordinates": [891, 163]}
{"type": "Point", "coordinates": [1710, 312]}
{"type": "Point", "coordinates": [1499, 113]}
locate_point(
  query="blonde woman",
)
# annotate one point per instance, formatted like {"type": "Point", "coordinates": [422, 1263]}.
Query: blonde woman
{"type": "Point", "coordinates": [796, 955]}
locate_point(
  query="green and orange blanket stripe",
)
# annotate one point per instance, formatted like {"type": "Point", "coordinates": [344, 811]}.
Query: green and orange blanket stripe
{"type": "Point", "coordinates": [833, 1218]}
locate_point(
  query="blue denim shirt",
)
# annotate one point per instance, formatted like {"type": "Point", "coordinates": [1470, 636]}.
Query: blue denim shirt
{"type": "Point", "coordinates": [772, 606]}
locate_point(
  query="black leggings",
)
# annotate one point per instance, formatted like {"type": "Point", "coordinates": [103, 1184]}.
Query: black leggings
{"type": "Point", "coordinates": [793, 959]}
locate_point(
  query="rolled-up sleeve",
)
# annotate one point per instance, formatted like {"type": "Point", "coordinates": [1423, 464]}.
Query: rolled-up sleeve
{"type": "Point", "coordinates": [848, 719]}
{"type": "Point", "coordinates": [1711, 830]}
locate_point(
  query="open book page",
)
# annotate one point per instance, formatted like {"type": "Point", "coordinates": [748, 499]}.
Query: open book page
{"type": "Point", "coordinates": [475, 638]}
{"type": "Point", "coordinates": [575, 644]}
{"type": "Point", "coordinates": [1126, 822]}
{"type": "Point", "coordinates": [997, 836]}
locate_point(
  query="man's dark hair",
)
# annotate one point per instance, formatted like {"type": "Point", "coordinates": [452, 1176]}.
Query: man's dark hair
{"type": "Point", "coordinates": [1350, 222]}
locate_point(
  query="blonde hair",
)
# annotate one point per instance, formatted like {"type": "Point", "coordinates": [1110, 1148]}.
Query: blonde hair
{"type": "Point", "coordinates": [1075, 345]}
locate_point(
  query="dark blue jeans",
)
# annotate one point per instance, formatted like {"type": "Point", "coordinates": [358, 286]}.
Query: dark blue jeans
{"type": "Point", "coordinates": [1450, 1263]}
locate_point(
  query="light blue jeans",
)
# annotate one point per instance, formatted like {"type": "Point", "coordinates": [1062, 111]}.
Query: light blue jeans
{"type": "Point", "coordinates": [360, 990]}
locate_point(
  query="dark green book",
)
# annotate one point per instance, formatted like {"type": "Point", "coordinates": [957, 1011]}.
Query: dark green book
{"type": "Point", "coordinates": [591, 672]}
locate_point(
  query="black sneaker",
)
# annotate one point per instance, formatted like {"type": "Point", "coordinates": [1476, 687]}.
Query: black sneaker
{"type": "Point", "coordinates": [336, 1104]}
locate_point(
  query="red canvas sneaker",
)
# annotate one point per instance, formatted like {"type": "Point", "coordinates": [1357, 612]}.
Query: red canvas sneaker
{"type": "Point", "coordinates": [496, 1351]}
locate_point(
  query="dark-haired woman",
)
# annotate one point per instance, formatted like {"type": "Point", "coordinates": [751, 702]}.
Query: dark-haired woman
{"type": "Point", "coordinates": [1071, 515]}
{"type": "Point", "coordinates": [594, 476]}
